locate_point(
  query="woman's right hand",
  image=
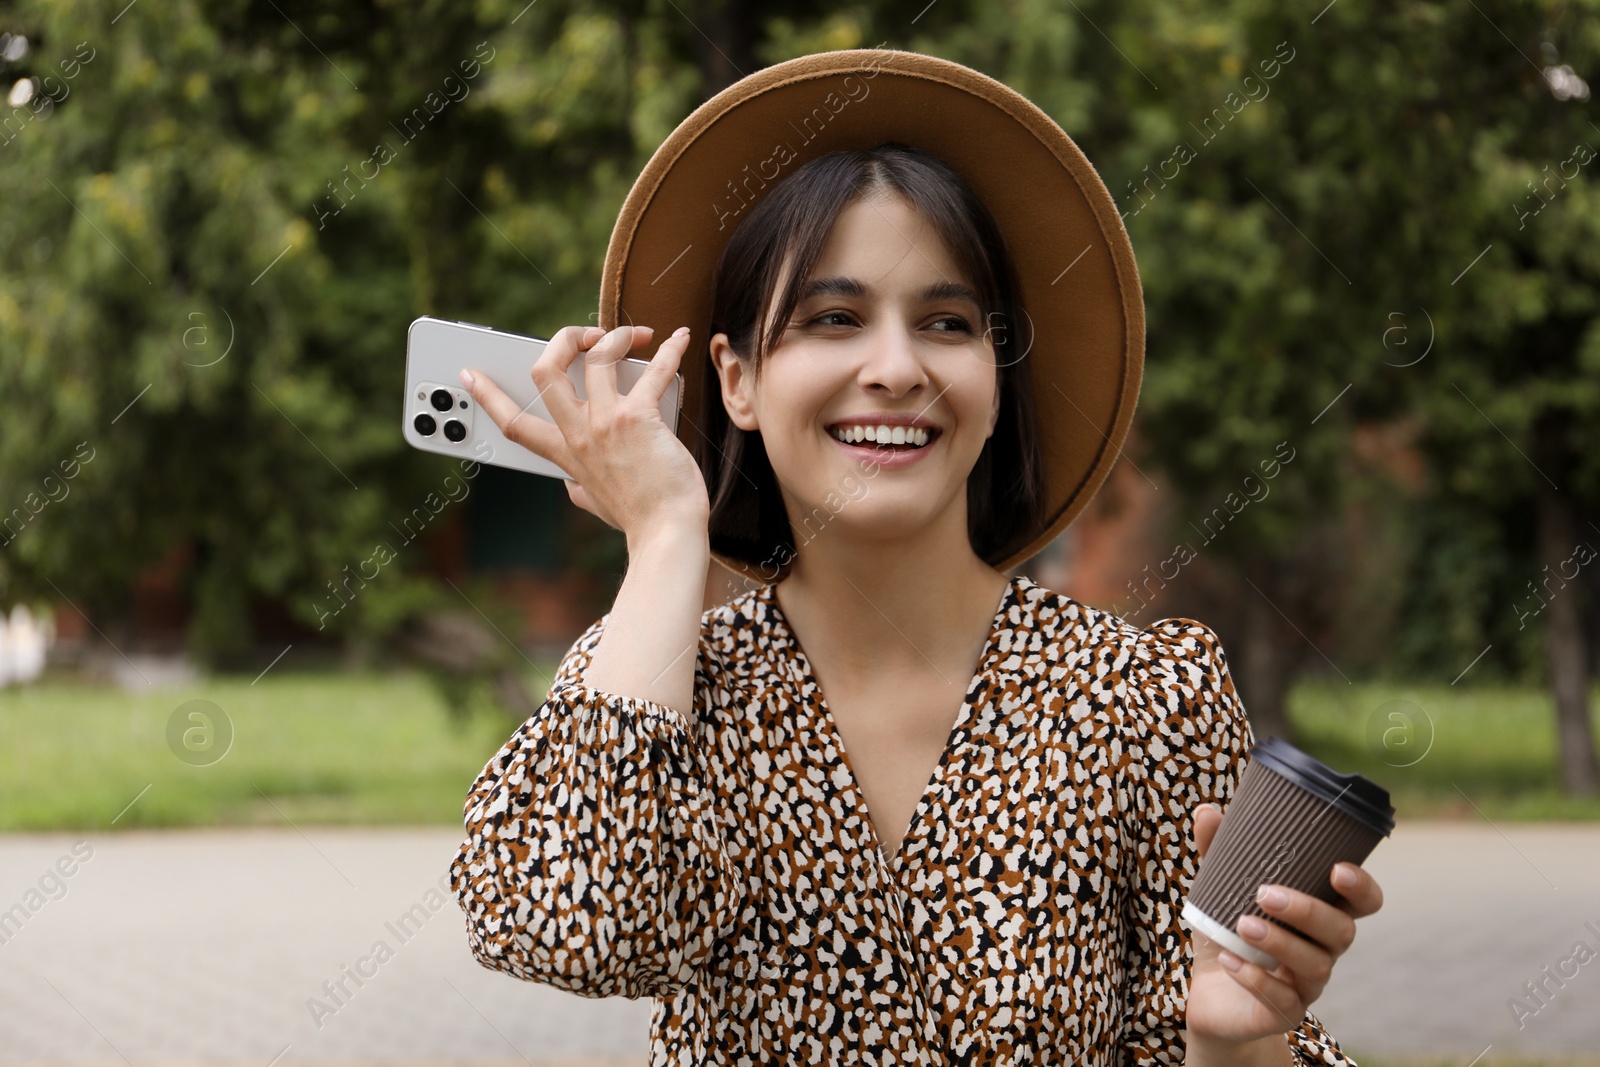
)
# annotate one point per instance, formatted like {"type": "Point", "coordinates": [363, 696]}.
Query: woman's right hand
{"type": "Point", "coordinates": [626, 465]}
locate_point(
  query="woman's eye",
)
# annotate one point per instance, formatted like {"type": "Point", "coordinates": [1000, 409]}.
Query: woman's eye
{"type": "Point", "coordinates": [949, 324]}
{"type": "Point", "coordinates": [831, 315]}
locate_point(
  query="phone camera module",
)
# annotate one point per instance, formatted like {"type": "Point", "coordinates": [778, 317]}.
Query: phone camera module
{"type": "Point", "coordinates": [424, 424]}
{"type": "Point", "coordinates": [454, 430]}
{"type": "Point", "coordinates": [442, 400]}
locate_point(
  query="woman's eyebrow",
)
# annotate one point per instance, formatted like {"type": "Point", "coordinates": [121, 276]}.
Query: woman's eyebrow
{"type": "Point", "coordinates": [841, 286]}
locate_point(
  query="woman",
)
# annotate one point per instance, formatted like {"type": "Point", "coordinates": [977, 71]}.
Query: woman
{"type": "Point", "coordinates": [894, 807]}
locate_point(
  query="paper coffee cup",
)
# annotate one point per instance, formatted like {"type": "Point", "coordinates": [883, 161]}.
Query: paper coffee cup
{"type": "Point", "coordinates": [1289, 821]}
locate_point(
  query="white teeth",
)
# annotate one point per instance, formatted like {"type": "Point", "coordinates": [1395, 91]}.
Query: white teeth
{"type": "Point", "coordinates": [898, 435]}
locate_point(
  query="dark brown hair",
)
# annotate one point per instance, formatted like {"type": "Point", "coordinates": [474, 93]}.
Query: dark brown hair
{"type": "Point", "coordinates": [791, 224]}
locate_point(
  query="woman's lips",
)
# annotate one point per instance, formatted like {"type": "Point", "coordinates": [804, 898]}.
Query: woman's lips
{"type": "Point", "coordinates": [866, 452]}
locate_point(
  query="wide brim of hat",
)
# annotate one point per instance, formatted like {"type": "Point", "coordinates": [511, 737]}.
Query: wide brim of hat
{"type": "Point", "coordinates": [1079, 281]}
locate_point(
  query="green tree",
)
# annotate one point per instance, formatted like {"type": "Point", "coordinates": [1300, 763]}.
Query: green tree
{"type": "Point", "coordinates": [1511, 408]}
{"type": "Point", "coordinates": [218, 229]}
{"type": "Point", "coordinates": [1302, 250]}
{"type": "Point", "coordinates": [222, 219]}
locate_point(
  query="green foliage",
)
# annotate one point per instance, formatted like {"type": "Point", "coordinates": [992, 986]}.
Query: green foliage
{"type": "Point", "coordinates": [214, 240]}
{"type": "Point", "coordinates": [1303, 249]}
{"type": "Point", "coordinates": [212, 248]}
{"type": "Point", "coordinates": [1509, 405]}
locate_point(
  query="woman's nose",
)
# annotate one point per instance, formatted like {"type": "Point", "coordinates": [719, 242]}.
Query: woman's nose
{"type": "Point", "coordinates": [891, 361]}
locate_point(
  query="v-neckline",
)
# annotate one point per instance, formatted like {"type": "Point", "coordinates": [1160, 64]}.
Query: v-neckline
{"type": "Point", "coordinates": [823, 718]}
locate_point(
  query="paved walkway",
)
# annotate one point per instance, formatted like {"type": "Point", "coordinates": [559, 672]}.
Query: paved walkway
{"type": "Point", "coordinates": [215, 947]}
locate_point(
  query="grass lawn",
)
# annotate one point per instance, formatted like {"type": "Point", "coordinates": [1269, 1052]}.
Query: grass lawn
{"type": "Point", "coordinates": [333, 748]}
{"type": "Point", "coordinates": [1492, 752]}
{"type": "Point", "coordinates": [310, 748]}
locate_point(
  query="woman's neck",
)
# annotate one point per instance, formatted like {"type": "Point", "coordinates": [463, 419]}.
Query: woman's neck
{"type": "Point", "coordinates": [890, 608]}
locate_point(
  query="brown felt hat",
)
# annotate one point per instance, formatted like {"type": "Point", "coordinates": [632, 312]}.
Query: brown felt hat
{"type": "Point", "coordinates": [1075, 265]}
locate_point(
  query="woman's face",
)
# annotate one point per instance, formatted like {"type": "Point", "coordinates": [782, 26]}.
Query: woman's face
{"type": "Point", "coordinates": [888, 333]}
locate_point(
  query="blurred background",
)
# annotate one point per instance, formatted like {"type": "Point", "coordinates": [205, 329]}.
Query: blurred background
{"type": "Point", "coordinates": [240, 617]}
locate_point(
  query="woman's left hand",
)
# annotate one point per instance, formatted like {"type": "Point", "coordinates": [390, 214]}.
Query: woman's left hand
{"type": "Point", "coordinates": [1232, 1000]}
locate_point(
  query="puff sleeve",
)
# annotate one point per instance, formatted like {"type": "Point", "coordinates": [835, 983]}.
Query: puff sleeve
{"type": "Point", "coordinates": [1189, 739]}
{"type": "Point", "coordinates": [594, 861]}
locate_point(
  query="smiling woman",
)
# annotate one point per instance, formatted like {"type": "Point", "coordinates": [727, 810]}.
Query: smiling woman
{"type": "Point", "coordinates": [952, 288]}
{"type": "Point", "coordinates": [898, 806]}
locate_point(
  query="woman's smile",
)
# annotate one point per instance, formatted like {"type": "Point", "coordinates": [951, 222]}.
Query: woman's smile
{"type": "Point", "coordinates": [888, 441]}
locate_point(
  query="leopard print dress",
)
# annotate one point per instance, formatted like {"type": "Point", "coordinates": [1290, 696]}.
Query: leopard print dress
{"type": "Point", "coordinates": [724, 864]}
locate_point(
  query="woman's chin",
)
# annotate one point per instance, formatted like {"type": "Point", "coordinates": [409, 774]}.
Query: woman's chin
{"type": "Point", "coordinates": [881, 514]}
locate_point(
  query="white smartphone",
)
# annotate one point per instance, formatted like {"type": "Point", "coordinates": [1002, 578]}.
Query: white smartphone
{"type": "Point", "coordinates": [439, 415]}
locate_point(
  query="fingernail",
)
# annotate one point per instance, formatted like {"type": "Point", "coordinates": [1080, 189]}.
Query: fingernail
{"type": "Point", "coordinates": [1272, 896]}
{"type": "Point", "coordinates": [1251, 927]}
{"type": "Point", "coordinates": [680, 331]}
{"type": "Point", "coordinates": [1344, 877]}
{"type": "Point", "coordinates": [1228, 960]}
{"type": "Point", "coordinates": [466, 377]}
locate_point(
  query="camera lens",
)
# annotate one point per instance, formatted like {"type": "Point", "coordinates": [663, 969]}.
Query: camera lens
{"type": "Point", "coordinates": [454, 430]}
{"type": "Point", "coordinates": [442, 400]}
{"type": "Point", "coordinates": [424, 424]}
